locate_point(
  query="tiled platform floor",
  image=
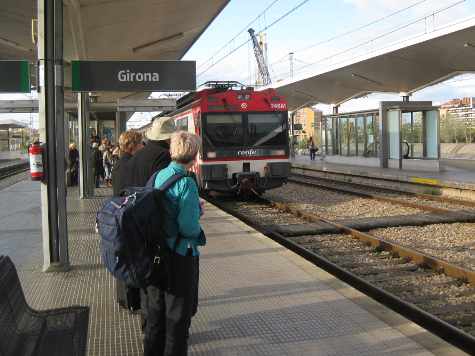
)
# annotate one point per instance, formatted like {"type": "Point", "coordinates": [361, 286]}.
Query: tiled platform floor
{"type": "Point", "coordinates": [256, 298]}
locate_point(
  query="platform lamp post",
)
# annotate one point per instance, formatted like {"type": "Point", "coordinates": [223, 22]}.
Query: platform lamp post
{"type": "Point", "coordinates": [292, 138]}
{"type": "Point", "coordinates": [51, 128]}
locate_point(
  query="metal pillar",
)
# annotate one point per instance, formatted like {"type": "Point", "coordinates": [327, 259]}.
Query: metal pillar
{"type": "Point", "coordinates": [86, 189]}
{"type": "Point", "coordinates": [291, 60]}
{"type": "Point", "coordinates": [51, 110]}
{"type": "Point", "coordinates": [292, 137]}
{"type": "Point", "coordinates": [67, 139]}
{"type": "Point", "coordinates": [120, 124]}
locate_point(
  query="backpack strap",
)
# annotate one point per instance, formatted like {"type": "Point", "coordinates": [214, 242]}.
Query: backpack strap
{"type": "Point", "coordinates": [151, 181]}
{"type": "Point", "coordinates": [170, 181]}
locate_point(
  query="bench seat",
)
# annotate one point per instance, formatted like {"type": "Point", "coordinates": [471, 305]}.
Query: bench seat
{"type": "Point", "coordinates": [25, 331]}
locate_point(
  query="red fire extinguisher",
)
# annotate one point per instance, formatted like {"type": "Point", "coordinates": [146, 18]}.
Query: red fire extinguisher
{"type": "Point", "coordinates": [36, 161]}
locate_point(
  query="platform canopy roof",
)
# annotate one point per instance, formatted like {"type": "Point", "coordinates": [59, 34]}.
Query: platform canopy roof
{"type": "Point", "coordinates": [405, 67]}
{"type": "Point", "coordinates": [6, 124]}
{"type": "Point", "coordinates": [111, 29]}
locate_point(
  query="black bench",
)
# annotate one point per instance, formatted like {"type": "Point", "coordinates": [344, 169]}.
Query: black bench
{"type": "Point", "coordinates": [25, 332]}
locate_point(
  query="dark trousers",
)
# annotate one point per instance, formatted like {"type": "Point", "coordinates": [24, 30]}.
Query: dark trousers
{"type": "Point", "coordinates": [312, 154]}
{"type": "Point", "coordinates": [168, 310]}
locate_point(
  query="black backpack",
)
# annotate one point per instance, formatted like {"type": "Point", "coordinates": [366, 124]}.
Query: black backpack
{"type": "Point", "coordinates": [133, 245]}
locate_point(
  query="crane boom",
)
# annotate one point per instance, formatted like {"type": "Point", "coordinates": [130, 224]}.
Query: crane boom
{"type": "Point", "coordinates": [261, 62]}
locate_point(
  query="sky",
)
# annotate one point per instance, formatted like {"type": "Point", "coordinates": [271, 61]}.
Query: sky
{"type": "Point", "coordinates": [316, 31]}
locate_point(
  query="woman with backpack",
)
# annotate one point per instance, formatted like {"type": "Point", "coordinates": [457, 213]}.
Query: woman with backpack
{"type": "Point", "coordinates": [172, 302]}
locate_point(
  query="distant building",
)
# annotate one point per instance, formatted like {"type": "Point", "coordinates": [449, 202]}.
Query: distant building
{"type": "Point", "coordinates": [308, 119]}
{"type": "Point", "coordinates": [457, 121]}
{"type": "Point", "coordinates": [459, 109]}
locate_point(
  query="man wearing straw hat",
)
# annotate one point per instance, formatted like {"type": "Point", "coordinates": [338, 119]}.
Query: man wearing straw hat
{"type": "Point", "coordinates": [155, 155]}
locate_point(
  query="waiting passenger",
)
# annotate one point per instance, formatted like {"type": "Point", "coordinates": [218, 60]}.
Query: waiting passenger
{"type": "Point", "coordinates": [73, 163]}
{"type": "Point", "coordinates": [150, 159]}
{"type": "Point", "coordinates": [312, 148]}
{"type": "Point", "coordinates": [107, 162]}
{"type": "Point", "coordinates": [129, 143]}
{"type": "Point", "coordinates": [155, 155]}
{"type": "Point", "coordinates": [172, 303]}
{"type": "Point", "coordinates": [96, 164]}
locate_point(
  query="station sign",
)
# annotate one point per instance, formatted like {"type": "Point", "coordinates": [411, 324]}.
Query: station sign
{"type": "Point", "coordinates": [14, 77]}
{"type": "Point", "coordinates": [133, 76]}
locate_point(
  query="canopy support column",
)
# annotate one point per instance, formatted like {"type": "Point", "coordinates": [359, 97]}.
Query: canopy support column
{"type": "Point", "coordinates": [51, 127]}
{"type": "Point", "coordinates": [85, 169]}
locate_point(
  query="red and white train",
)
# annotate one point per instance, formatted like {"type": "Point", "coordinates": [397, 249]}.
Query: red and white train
{"type": "Point", "coordinates": [244, 137]}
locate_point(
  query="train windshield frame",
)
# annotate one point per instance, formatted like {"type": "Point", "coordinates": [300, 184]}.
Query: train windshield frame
{"type": "Point", "coordinates": [249, 129]}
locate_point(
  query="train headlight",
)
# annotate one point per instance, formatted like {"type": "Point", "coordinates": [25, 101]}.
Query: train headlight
{"type": "Point", "coordinates": [211, 155]}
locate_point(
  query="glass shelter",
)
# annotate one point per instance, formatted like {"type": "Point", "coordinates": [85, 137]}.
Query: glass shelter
{"type": "Point", "coordinates": [402, 135]}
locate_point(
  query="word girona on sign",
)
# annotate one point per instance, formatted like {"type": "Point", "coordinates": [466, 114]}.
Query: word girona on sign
{"type": "Point", "coordinates": [133, 76]}
{"type": "Point", "coordinates": [128, 76]}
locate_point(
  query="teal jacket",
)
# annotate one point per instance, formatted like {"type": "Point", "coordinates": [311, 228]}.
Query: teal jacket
{"type": "Point", "coordinates": [183, 211]}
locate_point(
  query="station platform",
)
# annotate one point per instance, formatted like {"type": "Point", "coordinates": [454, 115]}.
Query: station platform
{"type": "Point", "coordinates": [455, 175]}
{"type": "Point", "coordinates": [256, 297]}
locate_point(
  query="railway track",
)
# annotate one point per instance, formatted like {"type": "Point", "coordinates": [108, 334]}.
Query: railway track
{"type": "Point", "coordinates": [12, 173]}
{"type": "Point", "coordinates": [426, 202]}
{"type": "Point", "coordinates": [433, 292]}
{"type": "Point", "coordinates": [12, 169]}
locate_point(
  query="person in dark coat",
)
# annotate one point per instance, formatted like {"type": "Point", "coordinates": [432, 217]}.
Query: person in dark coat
{"type": "Point", "coordinates": [129, 143]}
{"type": "Point", "coordinates": [155, 155]}
{"type": "Point", "coordinates": [96, 164]}
{"type": "Point", "coordinates": [73, 162]}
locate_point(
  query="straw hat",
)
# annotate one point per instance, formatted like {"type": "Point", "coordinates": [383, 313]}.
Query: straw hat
{"type": "Point", "coordinates": [162, 128]}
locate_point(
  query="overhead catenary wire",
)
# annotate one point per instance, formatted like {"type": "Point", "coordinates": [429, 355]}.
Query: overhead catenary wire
{"type": "Point", "coordinates": [346, 33]}
{"type": "Point", "coordinates": [296, 7]}
{"type": "Point", "coordinates": [361, 44]}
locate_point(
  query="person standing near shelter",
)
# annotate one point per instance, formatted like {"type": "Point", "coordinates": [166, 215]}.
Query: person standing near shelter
{"type": "Point", "coordinates": [312, 148]}
{"type": "Point", "coordinates": [172, 303]}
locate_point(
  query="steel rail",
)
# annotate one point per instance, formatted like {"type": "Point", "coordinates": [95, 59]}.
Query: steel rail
{"type": "Point", "coordinates": [394, 201]}
{"type": "Point", "coordinates": [394, 190]}
{"type": "Point", "coordinates": [444, 330]}
{"type": "Point", "coordinates": [417, 257]}
{"type": "Point", "coordinates": [8, 171]}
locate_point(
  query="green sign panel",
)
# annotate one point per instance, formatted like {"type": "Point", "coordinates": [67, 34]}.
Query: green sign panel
{"type": "Point", "coordinates": [133, 75]}
{"type": "Point", "coordinates": [14, 77]}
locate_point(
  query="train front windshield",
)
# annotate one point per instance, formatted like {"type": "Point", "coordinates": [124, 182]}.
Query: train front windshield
{"type": "Point", "coordinates": [245, 130]}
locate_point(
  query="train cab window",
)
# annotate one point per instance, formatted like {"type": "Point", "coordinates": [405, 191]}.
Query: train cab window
{"type": "Point", "coordinates": [224, 130]}
{"type": "Point", "coordinates": [182, 124]}
{"type": "Point", "coordinates": [266, 129]}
